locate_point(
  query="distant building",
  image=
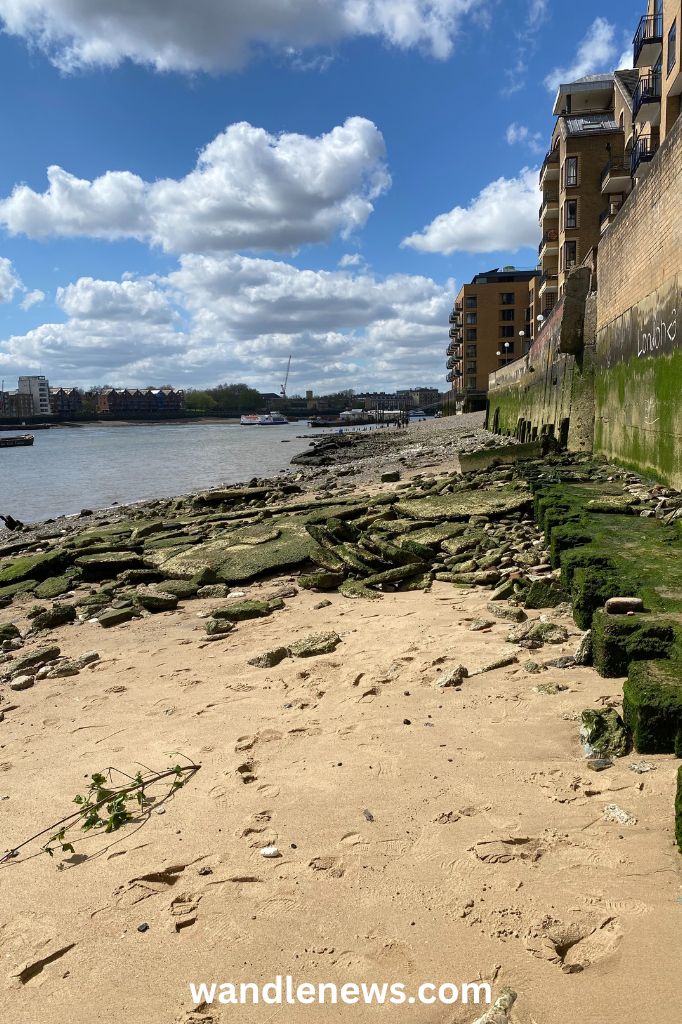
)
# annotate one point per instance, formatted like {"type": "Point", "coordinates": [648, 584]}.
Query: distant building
{"type": "Point", "coordinates": [15, 405]}
{"type": "Point", "coordinates": [382, 400]}
{"type": "Point", "coordinates": [39, 390]}
{"type": "Point", "coordinates": [421, 398]}
{"type": "Point", "coordinates": [66, 401]}
{"type": "Point", "coordinates": [140, 402]}
{"type": "Point", "coordinates": [489, 326]}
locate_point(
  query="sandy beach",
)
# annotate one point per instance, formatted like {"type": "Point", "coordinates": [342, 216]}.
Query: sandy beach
{"type": "Point", "coordinates": [426, 833]}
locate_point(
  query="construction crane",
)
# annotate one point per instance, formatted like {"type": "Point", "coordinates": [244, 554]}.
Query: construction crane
{"type": "Point", "coordinates": [283, 389]}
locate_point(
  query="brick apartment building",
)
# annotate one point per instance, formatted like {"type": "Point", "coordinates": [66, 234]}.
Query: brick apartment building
{"type": "Point", "coordinates": [142, 402]}
{"type": "Point", "coordinates": [489, 326]}
{"type": "Point", "coordinates": [66, 401]}
{"type": "Point", "coordinates": [15, 405]}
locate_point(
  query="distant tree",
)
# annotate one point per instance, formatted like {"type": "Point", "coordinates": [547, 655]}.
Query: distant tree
{"type": "Point", "coordinates": [200, 401]}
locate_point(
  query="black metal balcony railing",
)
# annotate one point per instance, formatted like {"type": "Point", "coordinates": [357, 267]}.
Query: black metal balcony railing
{"type": "Point", "coordinates": [614, 169]}
{"type": "Point", "coordinates": [455, 333]}
{"type": "Point", "coordinates": [452, 362]}
{"type": "Point", "coordinates": [453, 317]}
{"type": "Point", "coordinates": [549, 236]}
{"type": "Point", "coordinates": [546, 202]}
{"type": "Point", "coordinates": [549, 279]}
{"type": "Point", "coordinates": [648, 91]}
{"type": "Point", "coordinates": [642, 151]}
{"type": "Point", "coordinates": [649, 30]}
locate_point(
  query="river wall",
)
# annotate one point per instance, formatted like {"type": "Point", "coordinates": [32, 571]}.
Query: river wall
{"type": "Point", "coordinates": [606, 370]}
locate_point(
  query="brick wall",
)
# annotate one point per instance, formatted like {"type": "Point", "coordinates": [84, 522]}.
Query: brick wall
{"type": "Point", "coordinates": [642, 250]}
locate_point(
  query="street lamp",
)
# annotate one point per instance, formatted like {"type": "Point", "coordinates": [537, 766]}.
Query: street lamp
{"type": "Point", "coordinates": [506, 352]}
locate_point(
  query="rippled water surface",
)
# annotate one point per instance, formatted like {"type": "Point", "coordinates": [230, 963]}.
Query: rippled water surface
{"type": "Point", "coordinates": [69, 468]}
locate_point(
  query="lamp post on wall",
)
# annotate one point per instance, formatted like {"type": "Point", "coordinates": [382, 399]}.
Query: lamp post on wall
{"type": "Point", "coordinates": [506, 352]}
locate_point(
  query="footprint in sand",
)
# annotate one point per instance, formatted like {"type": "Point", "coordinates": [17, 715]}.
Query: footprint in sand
{"type": "Point", "coordinates": [511, 848]}
{"type": "Point", "coordinates": [255, 825]}
{"type": "Point", "coordinates": [183, 910]}
{"type": "Point", "coordinates": [249, 742]}
{"type": "Point", "coordinates": [575, 945]}
{"type": "Point", "coordinates": [270, 792]}
{"type": "Point", "coordinates": [332, 867]}
{"type": "Point", "coordinates": [247, 772]}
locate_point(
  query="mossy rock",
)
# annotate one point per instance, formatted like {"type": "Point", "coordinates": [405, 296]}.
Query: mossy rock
{"type": "Point", "coordinates": [652, 706]}
{"type": "Point", "coordinates": [397, 575]}
{"type": "Point", "coordinates": [218, 627]}
{"type": "Point", "coordinates": [115, 617]}
{"type": "Point", "coordinates": [269, 659]}
{"type": "Point", "coordinates": [422, 582]}
{"type": "Point", "coordinates": [55, 586]}
{"type": "Point", "coordinates": [321, 581]}
{"type": "Point", "coordinates": [32, 567]}
{"type": "Point", "coordinates": [155, 600]}
{"type": "Point", "coordinates": [8, 631]}
{"type": "Point", "coordinates": [315, 644]}
{"type": "Point", "coordinates": [591, 588]}
{"type": "Point", "coordinates": [678, 810]}
{"type": "Point", "coordinates": [465, 504]}
{"type": "Point", "coordinates": [544, 594]}
{"type": "Point", "coordinates": [107, 565]}
{"type": "Point", "coordinates": [395, 554]}
{"type": "Point", "coordinates": [358, 560]}
{"type": "Point", "coordinates": [604, 733]}
{"type": "Point", "coordinates": [236, 558]}
{"type": "Point", "coordinates": [13, 589]}
{"type": "Point", "coordinates": [34, 660]}
{"type": "Point", "coordinates": [618, 640]}
{"type": "Point", "coordinates": [239, 611]}
{"type": "Point", "coordinates": [436, 533]}
{"type": "Point", "coordinates": [354, 589]}
{"type": "Point", "coordinates": [182, 589]}
{"type": "Point", "coordinates": [52, 618]}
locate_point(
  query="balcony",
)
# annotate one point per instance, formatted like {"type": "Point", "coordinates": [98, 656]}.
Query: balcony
{"type": "Point", "coordinates": [549, 243]}
{"type": "Point", "coordinates": [550, 208]}
{"type": "Point", "coordinates": [550, 167]}
{"type": "Point", "coordinates": [453, 376]}
{"type": "Point", "coordinates": [616, 176]}
{"type": "Point", "coordinates": [642, 154]}
{"type": "Point", "coordinates": [454, 348]}
{"type": "Point", "coordinates": [452, 362]}
{"type": "Point", "coordinates": [607, 216]}
{"type": "Point", "coordinates": [646, 103]}
{"type": "Point", "coordinates": [648, 41]}
{"type": "Point", "coordinates": [455, 333]}
{"type": "Point", "coordinates": [549, 282]}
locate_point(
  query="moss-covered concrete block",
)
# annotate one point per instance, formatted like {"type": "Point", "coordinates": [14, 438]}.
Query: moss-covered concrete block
{"type": "Point", "coordinates": [618, 640]}
{"type": "Point", "coordinates": [239, 611]}
{"type": "Point", "coordinates": [32, 567]}
{"type": "Point", "coordinates": [652, 706]}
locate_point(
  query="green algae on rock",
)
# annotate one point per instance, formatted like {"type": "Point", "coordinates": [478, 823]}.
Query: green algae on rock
{"type": "Point", "coordinates": [239, 611]}
{"type": "Point", "coordinates": [315, 644]}
{"type": "Point", "coordinates": [604, 733]}
{"type": "Point", "coordinates": [652, 706]}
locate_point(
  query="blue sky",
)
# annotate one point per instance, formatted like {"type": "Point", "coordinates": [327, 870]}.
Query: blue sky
{"type": "Point", "coordinates": [366, 157]}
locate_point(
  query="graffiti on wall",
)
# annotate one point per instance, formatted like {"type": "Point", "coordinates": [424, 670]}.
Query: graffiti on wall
{"type": "Point", "coordinates": [661, 336]}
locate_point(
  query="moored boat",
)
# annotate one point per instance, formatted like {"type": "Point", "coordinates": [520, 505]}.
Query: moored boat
{"type": "Point", "coordinates": [22, 440]}
{"type": "Point", "coordinates": [270, 419]}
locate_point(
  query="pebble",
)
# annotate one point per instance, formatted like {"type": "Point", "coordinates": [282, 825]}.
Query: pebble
{"type": "Point", "coordinates": [22, 683]}
{"type": "Point", "coordinates": [270, 852]}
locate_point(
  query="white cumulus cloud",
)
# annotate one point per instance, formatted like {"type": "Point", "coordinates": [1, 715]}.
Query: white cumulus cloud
{"type": "Point", "coordinates": [596, 52]}
{"type": "Point", "coordinates": [502, 218]}
{"type": "Point", "coordinates": [520, 134]}
{"type": "Point", "coordinates": [211, 35]}
{"type": "Point", "coordinates": [32, 298]}
{"type": "Point", "coordinates": [233, 317]}
{"type": "Point", "coordinates": [249, 190]}
{"type": "Point", "coordinates": [9, 281]}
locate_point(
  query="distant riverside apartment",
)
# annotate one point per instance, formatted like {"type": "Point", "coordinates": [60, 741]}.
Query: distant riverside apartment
{"type": "Point", "coordinates": [38, 388]}
{"type": "Point", "coordinates": [139, 401]}
{"type": "Point", "coordinates": [15, 405]}
{"type": "Point", "coordinates": [490, 325]}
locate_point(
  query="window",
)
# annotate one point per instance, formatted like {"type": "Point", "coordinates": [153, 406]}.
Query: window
{"type": "Point", "coordinates": [472, 318]}
{"type": "Point", "coordinates": [571, 214]}
{"type": "Point", "coordinates": [570, 255]}
{"type": "Point", "coordinates": [472, 301]}
{"type": "Point", "coordinates": [571, 167]}
{"type": "Point", "coordinates": [507, 299]}
{"type": "Point", "coordinates": [672, 46]}
{"type": "Point", "coordinates": [506, 314]}
{"type": "Point", "coordinates": [471, 351]}
{"type": "Point", "coordinates": [471, 382]}
{"type": "Point", "coordinates": [471, 367]}
{"type": "Point", "coordinates": [506, 332]}
{"type": "Point", "coordinates": [472, 334]}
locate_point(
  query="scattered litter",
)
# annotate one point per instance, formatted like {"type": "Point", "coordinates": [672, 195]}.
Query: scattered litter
{"type": "Point", "coordinates": [641, 767]}
{"type": "Point", "coordinates": [368, 815]}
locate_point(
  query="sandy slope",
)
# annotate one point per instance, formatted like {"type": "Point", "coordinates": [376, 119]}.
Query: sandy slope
{"type": "Point", "coordinates": [488, 833]}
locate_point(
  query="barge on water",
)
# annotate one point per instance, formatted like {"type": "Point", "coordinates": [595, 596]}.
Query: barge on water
{"type": "Point", "coordinates": [20, 441]}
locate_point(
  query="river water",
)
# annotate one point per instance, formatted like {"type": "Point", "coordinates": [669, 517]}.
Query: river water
{"type": "Point", "coordinates": [70, 468]}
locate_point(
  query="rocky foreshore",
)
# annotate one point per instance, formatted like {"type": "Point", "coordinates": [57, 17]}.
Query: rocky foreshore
{"type": "Point", "coordinates": [289, 634]}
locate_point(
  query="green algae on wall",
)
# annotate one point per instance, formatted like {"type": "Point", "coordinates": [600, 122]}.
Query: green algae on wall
{"type": "Point", "coordinates": [638, 387]}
